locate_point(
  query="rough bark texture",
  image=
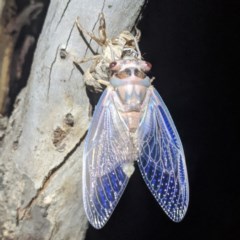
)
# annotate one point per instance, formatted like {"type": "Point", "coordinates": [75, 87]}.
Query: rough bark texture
{"type": "Point", "coordinates": [41, 147]}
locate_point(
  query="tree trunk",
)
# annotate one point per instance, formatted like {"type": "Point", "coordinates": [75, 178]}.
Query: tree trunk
{"type": "Point", "coordinates": [41, 150]}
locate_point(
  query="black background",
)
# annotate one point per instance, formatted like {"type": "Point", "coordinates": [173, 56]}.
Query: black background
{"type": "Point", "coordinates": [192, 46]}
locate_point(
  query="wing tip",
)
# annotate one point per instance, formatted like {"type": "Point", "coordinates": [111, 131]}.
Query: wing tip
{"type": "Point", "coordinates": [177, 215]}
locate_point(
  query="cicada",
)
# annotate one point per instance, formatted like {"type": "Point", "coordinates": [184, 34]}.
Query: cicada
{"type": "Point", "coordinates": [132, 124]}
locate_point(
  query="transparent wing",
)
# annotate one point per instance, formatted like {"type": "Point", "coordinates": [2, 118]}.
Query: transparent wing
{"type": "Point", "coordinates": [106, 152]}
{"type": "Point", "coordinates": [161, 160]}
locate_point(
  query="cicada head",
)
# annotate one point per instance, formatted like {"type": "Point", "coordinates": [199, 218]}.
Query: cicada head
{"type": "Point", "coordinates": [123, 69]}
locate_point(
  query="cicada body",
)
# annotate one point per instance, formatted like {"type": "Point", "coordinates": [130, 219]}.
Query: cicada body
{"type": "Point", "coordinates": [131, 123]}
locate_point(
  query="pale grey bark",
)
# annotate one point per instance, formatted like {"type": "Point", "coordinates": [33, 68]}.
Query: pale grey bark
{"type": "Point", "coordinates": [41, 153]}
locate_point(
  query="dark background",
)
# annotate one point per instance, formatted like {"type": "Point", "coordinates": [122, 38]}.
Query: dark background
{"type": "Point", "coordinates": [192, 46]}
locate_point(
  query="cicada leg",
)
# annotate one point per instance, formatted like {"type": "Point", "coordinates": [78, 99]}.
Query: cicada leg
{"type": "Point", "coordinates": [103, 82]}
{"type": "Point", "coordinates": [101, 40]}
{"type": "Point", "coordinates": [86, 59]}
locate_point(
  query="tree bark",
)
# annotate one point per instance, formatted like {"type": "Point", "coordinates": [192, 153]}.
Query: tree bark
{"type": "Point", "coordinates": [41, 148]}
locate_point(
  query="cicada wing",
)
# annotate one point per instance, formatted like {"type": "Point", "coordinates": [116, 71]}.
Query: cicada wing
{"type": "Point", "coordinates": [106, 150]}
{"type": "Point", "coordinates": [161, 159]}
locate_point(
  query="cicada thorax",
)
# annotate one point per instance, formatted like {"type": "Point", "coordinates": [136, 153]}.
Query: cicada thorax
{"type": "Point", "coordinates": [130, 84]}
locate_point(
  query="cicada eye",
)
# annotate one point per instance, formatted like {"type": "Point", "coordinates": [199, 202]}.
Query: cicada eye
{"type": "Point", "coordinates": [112, 65]}
{"type": "Point", "coordinates": [145, 66]}
{"type": "Point", "coordinates": [149, 66]}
